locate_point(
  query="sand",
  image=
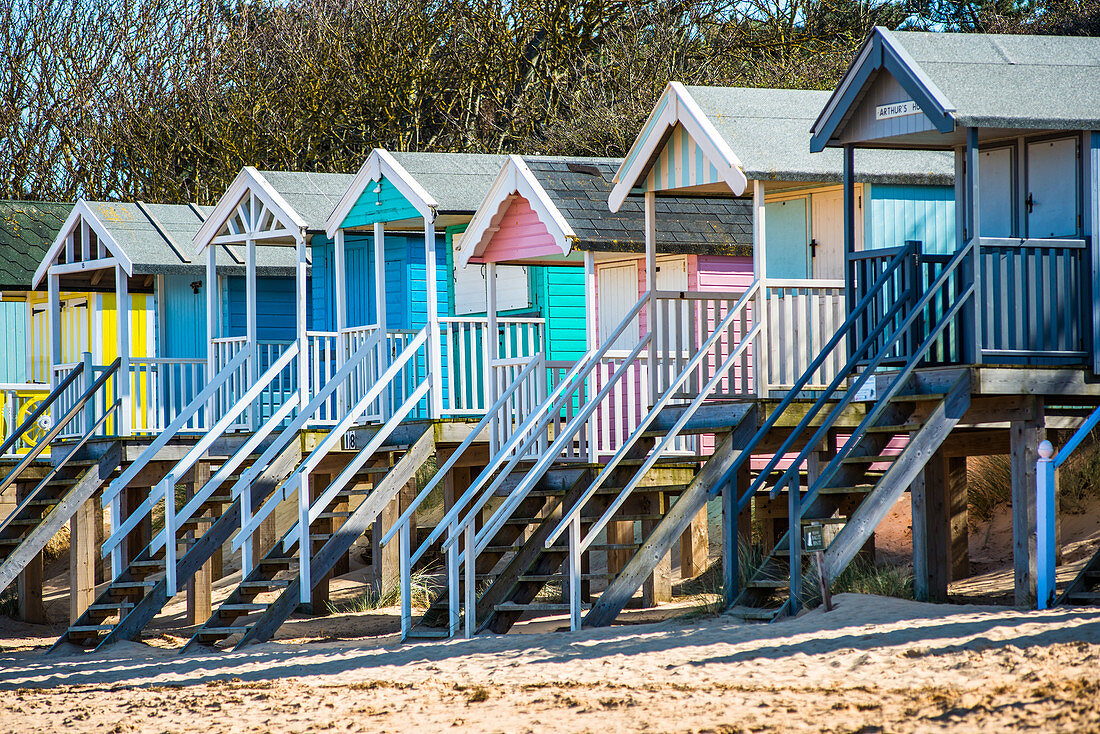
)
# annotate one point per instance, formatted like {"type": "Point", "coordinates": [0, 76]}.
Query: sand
{"type": "Point", "coordinates": [873, 664]}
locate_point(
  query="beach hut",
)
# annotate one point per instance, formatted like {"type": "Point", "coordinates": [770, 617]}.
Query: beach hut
{"type": "Point", "coordinates": [1014, 303]}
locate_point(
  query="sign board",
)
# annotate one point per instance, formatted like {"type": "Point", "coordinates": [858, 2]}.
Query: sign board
{"type": "Point", "coordinates": [896, 109]}
{"type": "Point", "coordinates": [867, 391]}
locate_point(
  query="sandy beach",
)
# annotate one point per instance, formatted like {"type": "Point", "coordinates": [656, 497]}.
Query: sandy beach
{"type": "Point", "coordinates": [873, 664]}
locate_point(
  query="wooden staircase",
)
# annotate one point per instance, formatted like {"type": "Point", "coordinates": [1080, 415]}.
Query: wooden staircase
{"type": "Point", "coordinates": [1084, 590]}
{"type": "Point", "coordinates": [269, 595]}
{"type": "Point", "coordinates": [924, 420]}
{"type": "Point", "coordinates": [51, 504]}
{"type": "Point", "coordinates": [133, 599]}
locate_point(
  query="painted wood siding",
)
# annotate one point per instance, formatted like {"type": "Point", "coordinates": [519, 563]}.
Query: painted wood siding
{"type": "Point", "coordinates": [275, 306]}
{"type": "Point", "coordinates": [183, 322]}
{"type": "Point", "coordinates": [559, 297]}
{"type": "Point", "coordinates": [681, 163]}
{"type": "Point", "coordinates": [724, 273]}
{"type": "Point", "coordinates": [520, 234]}
{"type": "Point", "coordinates": [13, 325]}
{"type": "Point", "coordinates": [884, 90]}
{"type": "Point", "coordinates": [900, 213]}
{"type": "Point", "coordinates": [387, 204]}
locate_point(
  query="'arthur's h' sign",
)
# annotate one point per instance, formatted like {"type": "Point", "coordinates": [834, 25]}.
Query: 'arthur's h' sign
{"type": "Point", "coordinates": [897, 109]}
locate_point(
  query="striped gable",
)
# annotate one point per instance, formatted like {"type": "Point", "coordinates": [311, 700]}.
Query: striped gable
{"type": "Point", "coordinates": [681, 164]}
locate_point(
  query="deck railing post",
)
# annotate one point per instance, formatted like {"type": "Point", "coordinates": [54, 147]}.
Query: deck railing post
{"type": "Point", "coordinates": [794, 542]}
{"type": "Point", "coordinates": [1045, 513]}
{"type": "Point", "coordinates": [90, 408]}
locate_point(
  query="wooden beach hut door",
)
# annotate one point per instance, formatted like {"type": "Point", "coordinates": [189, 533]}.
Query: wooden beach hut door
{"type": "Point", "coordinates": [1052, 188]}
{"type": "Point", "coordinates": [827, 228]}
{"type": "Point", "coordinates": [618, 292]}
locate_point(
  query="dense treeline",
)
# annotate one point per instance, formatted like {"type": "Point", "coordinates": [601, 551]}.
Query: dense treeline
{"type": "Point", "coordinates": [165, 100]}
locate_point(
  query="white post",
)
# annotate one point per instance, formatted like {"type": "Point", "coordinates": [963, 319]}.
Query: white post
{"type": "Point", "coordinates": [250, 328]}
{"type": "Point", "coordinates": [592, 338]}
{"type": "Point", "coordinates": [492, 334]}
{"type": "Point", "coordinates": [338, 266]}
{"type": "Point", "coordinates": [54, 299]}
{"type": "Point", "coordinates": [212, 320]}
{"type": "Point", "coordinates": [1045, 513]}
{"type": "Point", "coordinates": [760, 269]}
{"type": "Point", "coordinates": [380, 311]}
{"type": "Point", "coordinates": [302, 313]}
{"type": "Point", "coordinates": [122, 308]}
{"type": "Point", "coordinates": [435, 362]}
{"type": "Point", "coordinates": [651, 284]}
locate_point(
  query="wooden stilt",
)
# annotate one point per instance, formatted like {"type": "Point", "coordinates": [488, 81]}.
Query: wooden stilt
{"type": "Point", "coordinates": [619, 532]}
{"type": "Point", "coordinates": [321, 594]}
{"type": "Point", "coordinates": [1025, 437]}
{"type": "Point", "coordinates": [694, 549]}
{"type": "Point", "coordinates": [82, 556]}
{"type": "Point", "coordinates": [930, 531]}
{"type": "Point", "coordinates": [29, 585]}
{"type": "Point", "coordinates": [139, 537]}
{"type": "Point", "coordinates": [657, 588]}
{"type": "Point", "coordinates": [958, 518]}
{"type": "Point", "coordinates": [199, 586]}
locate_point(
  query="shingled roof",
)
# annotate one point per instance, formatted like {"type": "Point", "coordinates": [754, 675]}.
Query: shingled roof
{"type": "Point", "coordinates": [579, 188]}
{"type": "Point", "coordinates": [27, 229]}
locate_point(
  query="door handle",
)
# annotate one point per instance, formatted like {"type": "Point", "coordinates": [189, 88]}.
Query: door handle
{"type": "Point", "coordinates": [1030, 202]}
{"type": "Point", "coordinates": [813, 248]}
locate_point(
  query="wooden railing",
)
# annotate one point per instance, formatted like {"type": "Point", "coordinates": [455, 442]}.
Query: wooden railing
{"type": "Point", "coordinates": [160, 388]}
{"type": "Point", "coordinates": [17, 402]}
{"type": "Point", "coordinates": [802, 315]}
{"type": "Point", "coordinates": [467, 362]}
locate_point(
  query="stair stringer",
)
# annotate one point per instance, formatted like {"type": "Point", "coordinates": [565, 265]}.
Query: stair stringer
{"type": "Point", "coordinates": [1080, 583]}
{"type": "Point", "coordinates": [90, 482]}
{"type": "Point", "coordinates": [341, 541]}
{"type": "Point", "coordinates": [672, 525]}
{"type": "Point", "coordinates": [130, 626]}
{"type": "Point", "coordinates": [901, 474]}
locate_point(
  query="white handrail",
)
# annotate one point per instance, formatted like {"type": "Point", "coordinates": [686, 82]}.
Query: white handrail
{"type": "Point", "coordinates": [160, 491]}
{"type": "Point", "coordinates": [651, 415]}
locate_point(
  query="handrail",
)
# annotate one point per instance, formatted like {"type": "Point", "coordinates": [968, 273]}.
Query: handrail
{"type": "Point", "coordinates": [701, 352]}
{"type": "Point", "coordinates": [517, 495]}
{"type": "Point", "coordinates": [310, 461]}
{"type": "Point", "coordinates": [172, 428]}
{"type": "Point", "coordinates": [807, 375]}
{"type": "Point", "coordinates": [1046, 510]}
{"type": "Point", "coordinates": [915, 312]}
{"type": "Point", "coordinates": [42, 408]}
{"type": "Point", "coordinates": [56, 468]}
{"type": "Point", "coordinates": [535, 422]}
{"type": "Point", "coordinates": [445, 469]}
{"type": "Point", "coordinates": [161, 490]}
{"type": "Point", "coordinates": [61, 424]}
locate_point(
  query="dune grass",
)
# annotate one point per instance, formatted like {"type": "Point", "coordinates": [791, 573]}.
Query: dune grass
{"type": "Point", "coordinates": [424, 590]}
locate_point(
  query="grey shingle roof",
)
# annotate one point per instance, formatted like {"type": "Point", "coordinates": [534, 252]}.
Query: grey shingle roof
{"type": "Point", "coordinates": [580, 187]}
{"type": "Point", "coordinates": [769, 131]}
{"type": "Point", "coordinates": [457, 181]}
{"type": "Point", "coordinates": [312, 195]}
{"type": "Point", "coordinates": [27, 229]}
{"type": "Point", "coordinates": [1012, 81]}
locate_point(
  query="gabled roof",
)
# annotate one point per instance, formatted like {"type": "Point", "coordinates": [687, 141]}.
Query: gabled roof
{"type": "Point", "coordinates": [150, 239]}
{"type": "Point", "coordinates": [433, 183]}
{"type": "Point", "coordinates": [769, 131]}
{"type": "Point", "coordinates": [27, 229]}
{"type": "Point", "coordinates": [569, 195]}
{"type": "Point", "coordinates": [296, 202]}
{"type": "Point", "coordinates": [978, 80]}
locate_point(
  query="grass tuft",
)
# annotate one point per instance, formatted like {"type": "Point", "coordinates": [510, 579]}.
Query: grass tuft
{"type": "Point", "coordinates": [424, 590]}
{"type": "Point", "coordinates": [988, 486]}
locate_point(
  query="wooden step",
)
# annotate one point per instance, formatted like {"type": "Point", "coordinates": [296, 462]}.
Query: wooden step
{"type": "Point", "coordinates": [824, 520]}
{"type": "Point", "coordinates": [858, 489]}
{"type": "Point", "coordinates": [870, 459]}
{"type": "Point", "coordinates": [536, 606]}
{"type": "Point", "coordinates": [279, 562]}
{"type": "Point", "coordinates": [270, 584]}
{"type": "Point", "coordinates": [768, 583]}
{"type": "Point", "coordinates": [900, 428]}
{"type": "Point", "coordinates": [328, 515]}
{"type": "Point", "coordinates": [1085, 597]}
{"type": "Point", "coordinates": [918, 397]}
{"type": "Point", "coordinates": [243, 607]}
{"type": "Point", "coordinates": [85, 630]}
{"type": "Point", "coordinates": [221, 633]}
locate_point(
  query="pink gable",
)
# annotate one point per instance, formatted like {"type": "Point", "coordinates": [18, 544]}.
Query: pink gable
{"type": "Point", "coordinates": [520, 235]}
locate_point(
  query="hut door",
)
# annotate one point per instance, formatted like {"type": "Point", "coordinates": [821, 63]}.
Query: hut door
{"type": "Point", "coordinates": [827, 231]}
{"type": "Point", "coordinates": [1051, 202]}
{"type": "Point", "coordinates": [996, 192]}
{"type": "Point", "coordinates": [618, 292]}
{"type": "Point", "coordinates": [785, 235]}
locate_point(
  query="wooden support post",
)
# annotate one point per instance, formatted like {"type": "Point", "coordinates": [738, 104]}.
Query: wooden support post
{"type": "Point", "coordinates": [102, 567]}
{"type": "Point", "coordinates": [958, 518]}
{"type": "Point", "coordinates": [29, 587]}
{"type": "Point", "coordinates": [657, 587]}
{"type": "Point", "coordinates": [82, 556]}
{"type": "Point", "coordinates": [694, 550]}
{"type": "Point", "coordinates": [139, 537]}
{"type": "Point", "coordinates": [619, 532]}
{"type": "Point", "coordinates": [320, 596]}
{"type": "Point", "coordinates": [264, 537]}
{"type": "Point", "coordinates": [199, 586]}
{"type": "Point", "coordinates": [733, 542]}
{"type": "Point", "coordinates": [930, 531]}
{"type": "Point", "coordinates": [1025, 437]}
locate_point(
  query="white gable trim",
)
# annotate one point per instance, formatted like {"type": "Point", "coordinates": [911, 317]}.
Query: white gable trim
{"type": "Point", "coordinates": [514, 180]}
{"type": "Point", "coordinates": [676, 106]}
{"type": "Point", "coordinates": [81, 212]}
{"type": "Point", "coordinates": [249, 180]}
{"type": "Point", "coordinates": [381, 163]}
